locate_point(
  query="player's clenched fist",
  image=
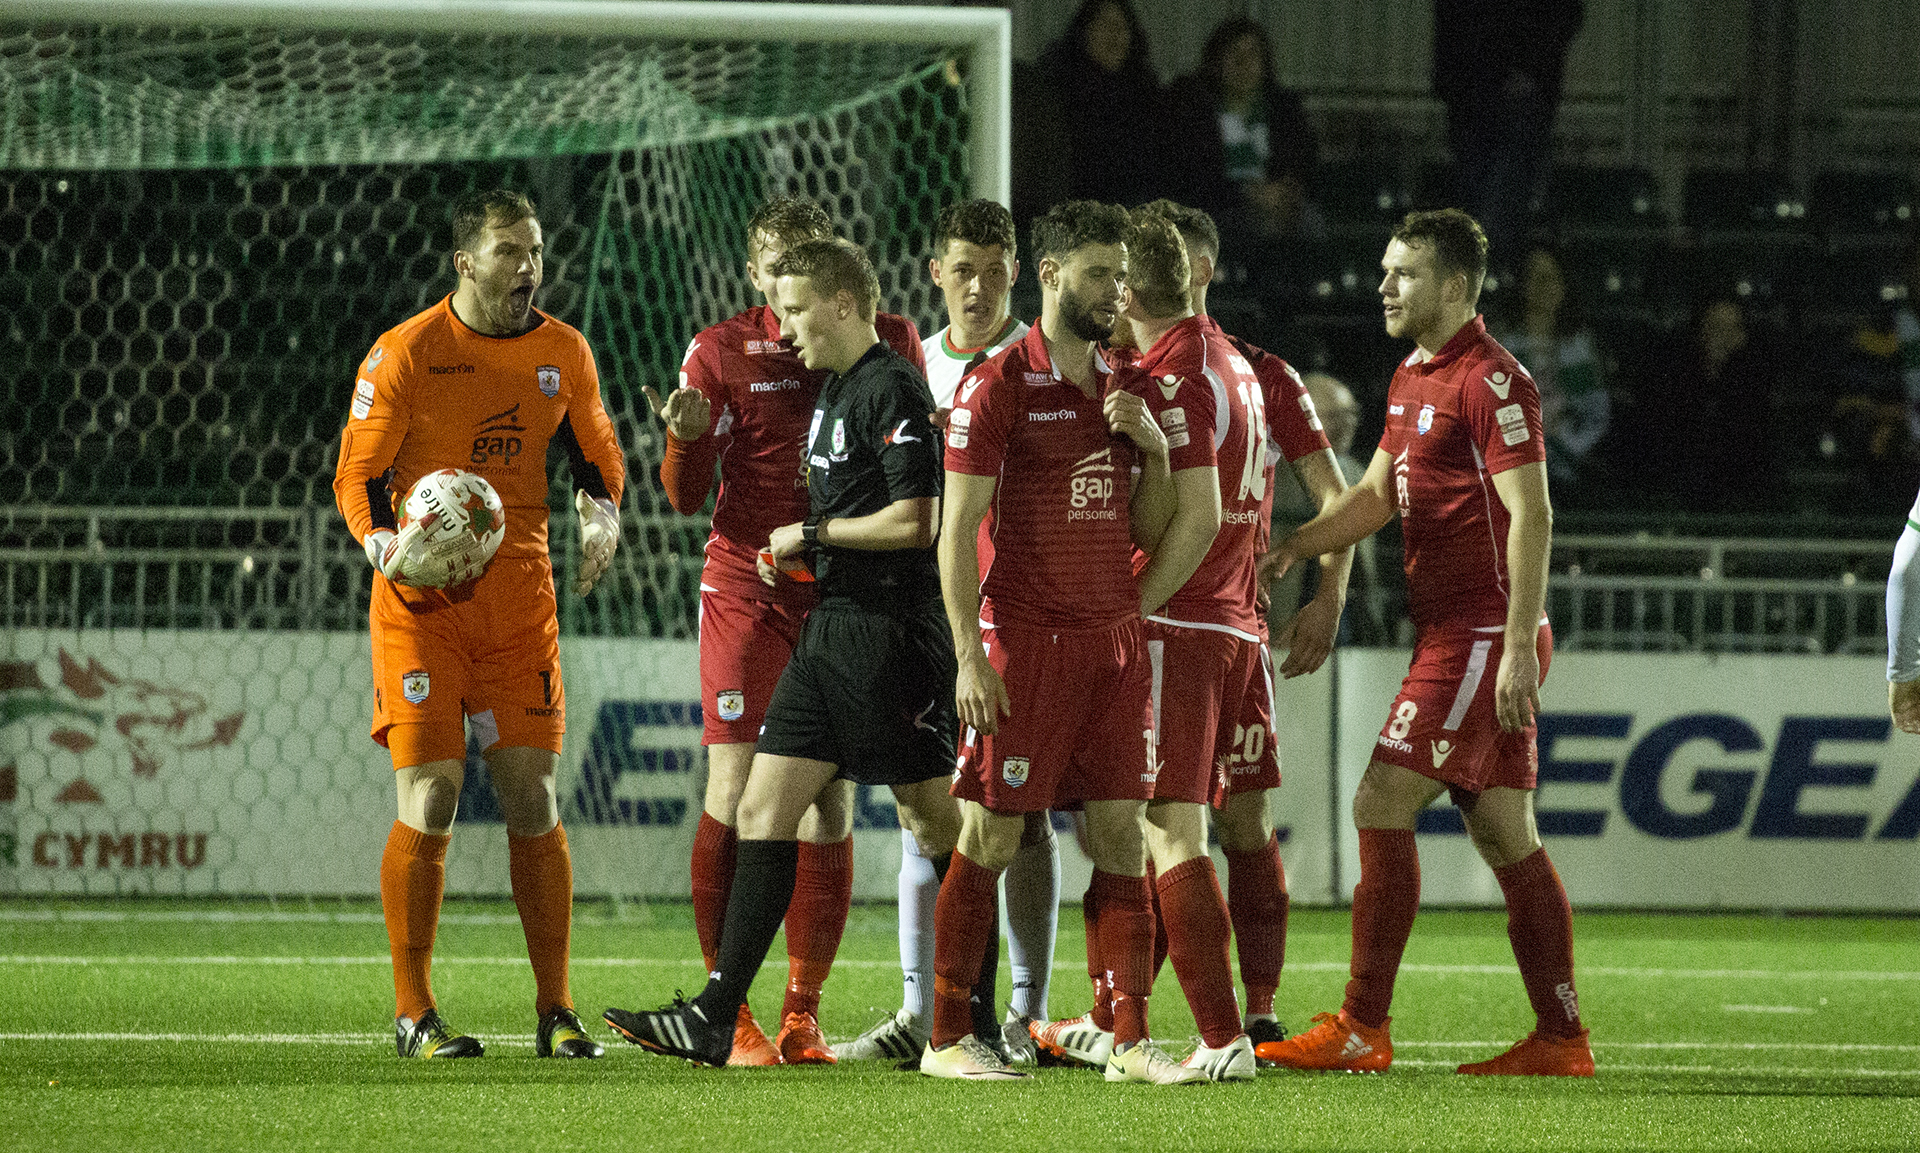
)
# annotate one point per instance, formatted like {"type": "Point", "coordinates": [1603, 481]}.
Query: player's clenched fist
{"type": "Point", "coordinates": [980, 696]}
{"type": "Point", "coordinates": [686, 411]}
{"type": "Point", "coordinates": [1127, 415]}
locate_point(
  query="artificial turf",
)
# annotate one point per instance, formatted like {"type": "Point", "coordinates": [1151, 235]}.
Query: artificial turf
{"type": "Point", "coordinates": [163, 1025]}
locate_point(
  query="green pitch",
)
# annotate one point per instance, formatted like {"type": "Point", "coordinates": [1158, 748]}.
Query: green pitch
{"type": "Point", "coordinates": [135, 1025]}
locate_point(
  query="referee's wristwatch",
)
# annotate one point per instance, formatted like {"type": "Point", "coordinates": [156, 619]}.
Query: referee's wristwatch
{"type": "Point", "coordinates": [810, 531]}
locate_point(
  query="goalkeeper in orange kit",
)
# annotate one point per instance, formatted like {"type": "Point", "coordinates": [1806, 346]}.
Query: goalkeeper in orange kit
{"type": "Point", "coordinates": [485, 382]}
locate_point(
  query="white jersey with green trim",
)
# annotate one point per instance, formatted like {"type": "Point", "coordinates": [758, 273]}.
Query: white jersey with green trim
{"type": "Point", "coordinates": [1903, 603]}
{"type": "Point", "coordinates": [946, 364]}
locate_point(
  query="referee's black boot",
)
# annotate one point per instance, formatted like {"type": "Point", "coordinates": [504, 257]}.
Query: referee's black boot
{"type": "Point", "coordinates": [676, 1030]}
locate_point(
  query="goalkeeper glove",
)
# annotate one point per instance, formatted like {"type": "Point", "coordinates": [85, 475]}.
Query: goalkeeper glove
{"type": "Point", "coordinates": [599, 537]}
{"type": "Point", "coordinates": [408, 559]}
{"type": "Point", "coordinates": [377, 542]}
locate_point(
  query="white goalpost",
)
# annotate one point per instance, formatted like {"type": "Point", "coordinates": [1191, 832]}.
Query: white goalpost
{"type": "Point", "coordinates": [213, 208]}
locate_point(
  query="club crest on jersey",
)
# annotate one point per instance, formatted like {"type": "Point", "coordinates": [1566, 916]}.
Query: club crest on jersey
{"type": "Point", "coordinates": [549, 380]}
{"type": "Point", "coordinates": [839, 436]}
{"type": "Point", "coordinates": [731, 704]}
{"type": "Point", "coordinates": [415, 686]}
{"type": "Point", "coordinates": [1013, 770]}
{"type": "Point", "coordinates": [1425, 420]}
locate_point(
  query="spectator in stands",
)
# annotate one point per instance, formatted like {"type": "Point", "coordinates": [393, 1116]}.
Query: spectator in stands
{"type": "Point", "coordinates": [1498, 66]}
{"type": "Point", "coordinates": [1702, 438]}
{"type": "Point", "coordinates": [1545, 333]}
{"type": "Point", "coordinates": [1292, 507]}
{"type": "Point", "coordinates": [1114, 111]}
{"type": "Point", "coordinates": [1248, 150]}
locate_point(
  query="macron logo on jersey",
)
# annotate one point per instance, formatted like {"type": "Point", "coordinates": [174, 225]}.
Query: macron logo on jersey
{"type": "Point", "coordinates": [899, 435]}
{"type": "Point", "coordinates": [1501, 384]}
{"type": "Point", "coordinates": [967, 388]}
{"type": "Point", "coordinates": [1168, 386]}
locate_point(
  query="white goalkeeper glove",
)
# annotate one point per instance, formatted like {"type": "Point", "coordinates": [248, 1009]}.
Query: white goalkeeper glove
{"type": "Point", "coordinates": [377, 542]}
{"type": "Point", "coordinates": [407, 558]}
{"type": "Point", "coordinates": [599, 537]}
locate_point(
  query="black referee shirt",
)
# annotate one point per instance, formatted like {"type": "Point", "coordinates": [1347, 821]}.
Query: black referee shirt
{"type": "Point", "coordinates": [873, 443]}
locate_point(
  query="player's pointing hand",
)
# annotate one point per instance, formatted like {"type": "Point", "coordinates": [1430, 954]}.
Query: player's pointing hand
{"type": "Point", "coordinates": [686, 411]}
{"type": "Point", "coordinates": [1127, 415]}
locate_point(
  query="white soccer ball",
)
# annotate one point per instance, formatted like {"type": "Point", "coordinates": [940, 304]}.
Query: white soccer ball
{"type": "Point", "coordinates": [451, 524]}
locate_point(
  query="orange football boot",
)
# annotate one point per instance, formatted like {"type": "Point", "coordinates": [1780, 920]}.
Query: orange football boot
{"type": "Point", "coordinates": [801, 1043]}
{"type": "Point", "coordinates": [1335, 1043]}
{"type": "Point", "coordinates": [1539, 1056]}
{"type": "Point", "coordinates": [750, 1045]}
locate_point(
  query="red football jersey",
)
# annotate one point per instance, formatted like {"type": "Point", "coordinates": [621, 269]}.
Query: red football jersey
{"type": "Point", "coordinates": [1293, 426]}
{"type": "Point", "coordinates": [1453, 421]}
{"type": "Point", "coordinates": [1293, 429]}
{"type": "Point", "coordinates": [763, 399]}
{"type": "Point", "coordinates": [1207, 400]}
{"type": "Point", "coordinates": [1061, 544]}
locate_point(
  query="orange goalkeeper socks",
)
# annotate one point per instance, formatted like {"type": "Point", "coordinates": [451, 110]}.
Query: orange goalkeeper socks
{"type": "Point", "coordinates": [413, 874]}
{"type": "Point", "coordinates": [542, 872]}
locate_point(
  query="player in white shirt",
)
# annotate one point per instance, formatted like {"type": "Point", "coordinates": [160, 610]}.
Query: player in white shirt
{"type": "Point", "coordinates": [1903, 628]}
{"type": "Point", "coordinates": [974, 263]}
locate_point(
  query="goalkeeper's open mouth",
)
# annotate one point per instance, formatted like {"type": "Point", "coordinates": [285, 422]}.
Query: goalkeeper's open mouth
{"type": "Point", "coordinates": [521, 298]}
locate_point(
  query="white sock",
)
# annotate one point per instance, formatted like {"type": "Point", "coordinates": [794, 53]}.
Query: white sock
{"type": "Point", "coordinates": [1030, 919]}
{"type": "Point", "coordinates": [919, 893]}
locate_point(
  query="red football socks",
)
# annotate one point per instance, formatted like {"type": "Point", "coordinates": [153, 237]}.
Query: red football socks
{"type": "Point", "coordinates": [1126, 949]}
{"type": "Point", "coordinates": [714, 850]}
{"type": "Point", "coordinates": [413, 875]}
{"type": "Point", "coordinates": [542, 873]}
{"type": "Point", "coordinates": [1257, 901]}
{"type": "Point", "coordinates": [1384, 904]}
{"type": "Point", "coordinates": [822, 894]}
{"type": "Point", "coordinates": [1102, 1012]}
{"type": "Point", "coordinates": [1540, 927]}
{"type": "Point", "coordinates": [962, 920]}
{"type": "Point", "coordinates": [1196, 916]}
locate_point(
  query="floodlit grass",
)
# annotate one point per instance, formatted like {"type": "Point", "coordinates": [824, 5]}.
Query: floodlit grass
{"type": "Point", "coordinates": [162, 1025]}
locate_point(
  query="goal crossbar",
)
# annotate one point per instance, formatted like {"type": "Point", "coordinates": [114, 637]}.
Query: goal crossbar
{"type": "Point", "coordinates": [983, 35]}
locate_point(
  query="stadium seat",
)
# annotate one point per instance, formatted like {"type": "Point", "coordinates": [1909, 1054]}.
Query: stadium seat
{"type": "Point", "coordinates": [1360, 196]}
{"type": "Point", "coordinates": [1585, 197]}
{"type": "Point", "coordinates": [1739, 200]}
{"type": "Point", "coordinates": [1863, 205]}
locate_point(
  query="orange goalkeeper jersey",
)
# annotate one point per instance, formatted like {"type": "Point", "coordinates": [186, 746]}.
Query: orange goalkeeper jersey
{"type": "Point", "coordinates": [435, 394]}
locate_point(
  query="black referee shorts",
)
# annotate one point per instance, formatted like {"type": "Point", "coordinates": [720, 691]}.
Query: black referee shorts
{"type": "Point", "coordinates": [870, 692]}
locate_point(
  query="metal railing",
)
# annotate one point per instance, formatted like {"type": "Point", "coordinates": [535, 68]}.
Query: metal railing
{"type": "Point", "coordinates": [89, 567]}
{"type": "Point", "coordinates": [1645, 593]}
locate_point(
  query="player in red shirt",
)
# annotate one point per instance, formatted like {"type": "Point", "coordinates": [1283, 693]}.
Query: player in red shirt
{"type": "Point", "coordinates": [745, 399]}
{"type": "Point", "coordinates": [1246, 757]}
{"type": "Point", "coordinates": [1462, 462]}
{"type": "Point", "coordinates": [1043, 439]}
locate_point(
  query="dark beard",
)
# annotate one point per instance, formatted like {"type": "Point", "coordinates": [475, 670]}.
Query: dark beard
{"type": "Point", "coordinates": [1079, 319]}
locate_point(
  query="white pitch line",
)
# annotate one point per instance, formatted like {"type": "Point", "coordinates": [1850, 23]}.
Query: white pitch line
{"type": "Point", "coordinates": [1894, 975]}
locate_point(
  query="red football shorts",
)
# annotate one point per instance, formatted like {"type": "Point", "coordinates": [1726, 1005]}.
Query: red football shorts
{"type": "Point", "coordinates": [744, 645]}
{"type": "Point", "coordinates": [1212, 714]}
{"type": "Point", "coordinates": [1080, 729]}
{"type": "Point", "coordinates": [490, 652]}
{"type": "Point", "coordinates": [1442, 724]}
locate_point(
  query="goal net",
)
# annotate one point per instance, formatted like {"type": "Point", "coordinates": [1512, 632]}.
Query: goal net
{"type": "Point", "coordinates": [211, 210]}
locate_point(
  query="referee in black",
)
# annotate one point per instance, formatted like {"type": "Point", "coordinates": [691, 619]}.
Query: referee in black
{"type": "Point", "coordinates": [868, 693]}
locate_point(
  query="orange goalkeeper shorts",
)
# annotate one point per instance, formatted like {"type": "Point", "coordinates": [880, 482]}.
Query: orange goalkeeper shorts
{"type": "Point", "coordinates": [488, 653]}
